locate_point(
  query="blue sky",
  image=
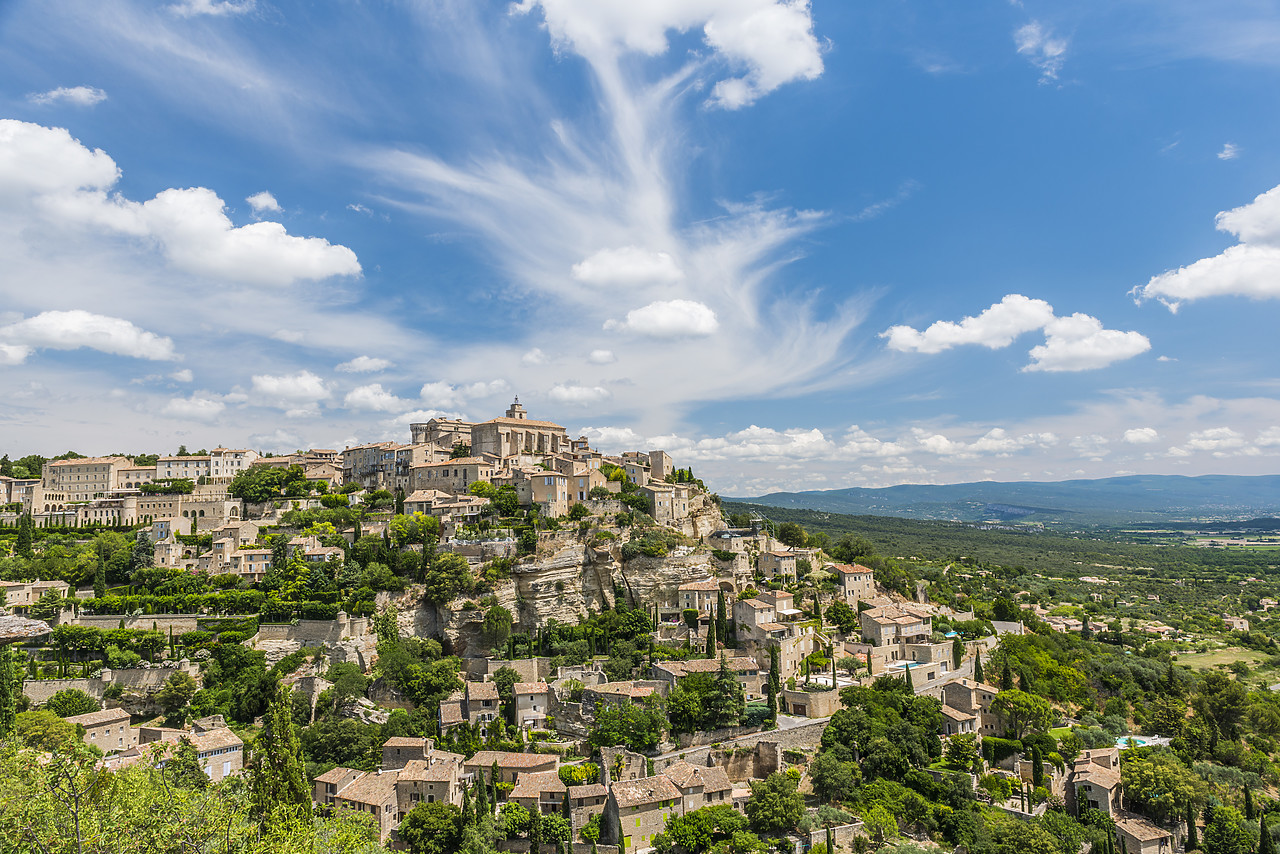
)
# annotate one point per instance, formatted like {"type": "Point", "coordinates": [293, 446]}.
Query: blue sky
{"type": "Point", "coordinates": [799, 245]}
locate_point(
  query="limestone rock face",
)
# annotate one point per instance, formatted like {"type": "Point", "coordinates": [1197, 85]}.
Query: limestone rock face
{"type": "Point", "coordinates": [652, 580]}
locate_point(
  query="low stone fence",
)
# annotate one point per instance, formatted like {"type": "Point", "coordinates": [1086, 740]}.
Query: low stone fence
{"type": "Point", "coordinates": [700, 739]}
{"type": "Point", "coordinates": [179, 623]}
{"type": "Point", "coordinates": [139, 678]}
{"type": "Point", "coordinates": [841, 836]}
{"type": "Point", "coordinates": [315, 631]}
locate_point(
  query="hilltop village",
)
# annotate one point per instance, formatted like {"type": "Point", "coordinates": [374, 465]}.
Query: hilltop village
{"type": "Point", "coordinates": [495, 637]}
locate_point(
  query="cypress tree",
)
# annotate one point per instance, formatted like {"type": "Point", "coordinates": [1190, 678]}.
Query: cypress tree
{"type": "Point", "coordinates": [1192, 841]}
{"type": "Point", "coordinates": [26, 537]}
{"type": "Point", "coordinates": [910, 684]}
{"type": "Point", "coordinates": [831, 845]}
{"type": "Point", "coordinates": [1266, 845]}
{"type": "Point", "coordinates": [468, 817]}
{"type": "Point", "coordinates": [711, 638]}
{"type": "Point", "coordinates": [10, 689]}
{"type": "Point", "coordinates": [482, 800]}
{"type": "Point", "coordinates": [1022, 683]}
{"type": "Point", "coordinates": [957, 652]}
{"type": "Point", "coordinates": [276, 778]}
{"type": "Point", "coordinates": [1086, 631]}
{"type": "Point", "coordinates": [1248, 804]}
{"type": "Point", "coordinates": [100, 578]}
{"type": "Point", "coordinates": [722, 621]}
{"type": "Point", "coordinates": [978, 675]}
{"type": "Point", "coordinates": [1006, 677]}
{"type": "Point", "coordinates": [1037, 766]}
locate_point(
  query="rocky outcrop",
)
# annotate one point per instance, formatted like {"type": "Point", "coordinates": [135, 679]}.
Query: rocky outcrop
{"type": "Point", "coordinates": [653, 580]}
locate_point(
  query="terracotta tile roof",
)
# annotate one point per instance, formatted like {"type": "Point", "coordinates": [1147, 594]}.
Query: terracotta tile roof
{"type": "Point", "coordinates": [1141, 829]}
{"type": "Point", "coordinates": [450, 713]}
{"type": "Point", "coordinates": [532, 784]}
{"type": "Point", "coordinates": [646, 790]}
{"type": "Point", "coordinates": [523, 422]}
{"type": "Point", "coordinates": [482, 691]}
{"type": "Point", "coordinates": [335, 775]}
{"type": "Point", "coordinates": [711, 665]}
{"type": "Point", "coordinates": [405, 741]}
{"type": "Point", "coordinates": [705, 584]}
{"type": "Point", "coordinates": [957, 715]}
{"type": "Point", "coordinates": [215, 739]}
{"type": "Point", "coordinates": [106, 716]}
{"type": "Point", "coordinates": [373, 788]}
{"type": "Point", "coordinates": [486, 758]}
{"type": "Point", "coordinates": [426, 771]}
{"type": "Point", "coordinates": [530, 688]}
{"type": "Point", "coordinates": [1098, 776]}
{"type": "Point", "coordinates": [590, 790]}
{"type": "Point", "coordinates": [687, 776]}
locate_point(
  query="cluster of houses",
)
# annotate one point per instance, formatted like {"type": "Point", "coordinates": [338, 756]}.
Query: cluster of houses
{"type": "Point", "coordinates": [434, 473]}
{"type": "Point", "coordinates": [219, 751]}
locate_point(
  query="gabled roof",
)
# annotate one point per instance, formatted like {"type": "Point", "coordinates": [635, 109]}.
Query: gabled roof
{"type": "Point", "coordinates": [530, 688]}
{"type": "Point", "coordinates": [533, 783]}
{"type": "Point", "coordinates": [687, 776]}
{"type": "Point", "coordinates": [106, 716]}
{"type": "Point", "coordinates": [482, 691]}
{"type": "Point", "coordinates": [646, 790]}
{"type": "Point", "coordinates": [373, 788]}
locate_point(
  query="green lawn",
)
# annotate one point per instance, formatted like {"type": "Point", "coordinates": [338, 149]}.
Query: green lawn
{"type": "Point", "coordinates": [1217, 657]}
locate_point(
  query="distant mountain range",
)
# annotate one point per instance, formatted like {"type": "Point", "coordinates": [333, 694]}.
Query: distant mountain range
{"type": "Point", "coordinates": [1106, 501]}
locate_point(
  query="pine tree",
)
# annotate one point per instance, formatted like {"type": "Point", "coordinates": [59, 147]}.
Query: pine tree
{"type": "Point", "coordinates": [1006, 677]}
{"type": "Point", "coordinates": [978, 675]}
{"type": "Point", "coordinates": [276, 779]}
{"type": "Point", "coordinates": [1192, 842]}
{"type": "Point", "coordinates": [711, 638]}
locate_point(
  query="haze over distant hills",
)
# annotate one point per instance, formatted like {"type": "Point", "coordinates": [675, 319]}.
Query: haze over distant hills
{"type": "Point", "coordinates": [1112, 500]}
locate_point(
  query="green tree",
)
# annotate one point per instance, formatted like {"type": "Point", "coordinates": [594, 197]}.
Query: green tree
{"type": "Point", "coordinates": [839, 614]}
{"type": "Point", "coordinates": [962, 751]}
{"type": "Point", "coordinates": [957, 652]}
{"type": "Point", "coordinates": [1160, 785]}
{"type": "Point", "coordinates": [10, 689]}
{"type": "Point", "coordinates": [775, 804]}
{"type": "Point", "coordinates": [431, 828]}
{"type": "Point", "coordinates": [448, 576]}
{"type": "Point", "coordinates": [1022, 712]}
{"type": "Point", "coordinates": [725, 704]}
{"type": "Point", "coordinates": [1266, 842]}
{"type": "Point", "coordinates": [880, 823]}
{"type": "Point", "coordinates": [24, 547]}
{"type": "Point", "coordinates": [1226, 833]}
{"type": "Point", "coordinates": [70, 702]}
{"type": "Point", "coordinates": [176, 692]}
{"type": "Point", "coordinates": [506, 678]}
{"type": "Point", "coordinates": [497, 626]}
{"type": "Point", "coordinates": [277, 784]}
{"type": "Point", "coordinates": [834, 779]}
{"type": "Point", "coordinates": [791, 534]}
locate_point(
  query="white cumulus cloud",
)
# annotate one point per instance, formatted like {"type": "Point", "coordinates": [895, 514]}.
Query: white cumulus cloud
{"type": "Point", "coordinates": [1045, 51]}
{"type": "Point", "coordinates": [195, 407]}
{"type": "Point", "coordinates": [363, 365]}
{"type": "Point", "coordinates": [578, 395]}
{"type": "Point", "coordinates": [71, 330]}
{"type": "Point", "coordinates": [1075, 343]}
{"type": "Point", "coordinates": [80, 96]}
{"type": "Point", "coordinates": [263, 201]}
{"type": "Point", "coordinates": [677, 318]}
{"type": "Point", "coordinates": [1251, 268]}
{"type": "Point", "coordinates": [770, 41]}
{"type": "Point", "coordinates": [298, 393]}
{"type": "Point", "coordinates": [1141, 435]}
{"type": "Point", "coordinates": [183, 376]}
{"type": "Point", "coordinates": [533, 358]}
{"type": "Point", "coordinates": [443, 395]}
{"type": "Point", "coordinates": [994, 328]}
{"type": "Point", "coordinates": [70, 186]}
{"type": "Point", "coordinates": [374, 398]}
{"type": "Point", "coordinates": [1080, 343]}
{"type": "Point", "coordinates": [628, 266]}
{"type": "Point", "coordinates": [602, 357]}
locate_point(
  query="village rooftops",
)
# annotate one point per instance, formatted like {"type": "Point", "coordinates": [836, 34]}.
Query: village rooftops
{"type": "Point", "coordinates": [646, 790]}
{"type": "Point", "coordinates": [1098, 775]}
{"type": "Point", "coordinates": [976, 686]}
{"type": "Point", "coordinates": [88, 461]}
{"type": "Point", "coordinates": [215, 739]}
{"type": "Point", "coordinates": [458, 461]}
{"type": "Point", "coordinates": [622, 689]}
{"type": "Point", "coordinates": [530, 688]}
{"type": "Point", "coordinates": [957, 715]}
{"type": "Point", "coordinates": [707, 584]}
{"type": "Point", "coordinates": [523, 422]}
{"type": "Point", "coordinates": [855, 569]}
{"type": "Point", "coordinates": [404, 741]}
{"type": "Point", "coordinates": [709, 665]}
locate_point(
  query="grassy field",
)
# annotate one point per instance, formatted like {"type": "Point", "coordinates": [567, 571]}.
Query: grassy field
{"type": "Point", "coordinates": [1220, 658]}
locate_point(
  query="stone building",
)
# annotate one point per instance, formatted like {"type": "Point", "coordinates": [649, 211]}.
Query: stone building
{"type": "Point", "coordinates": [108, 730]}
{"type": "Point", "coordinates": [516, 434]}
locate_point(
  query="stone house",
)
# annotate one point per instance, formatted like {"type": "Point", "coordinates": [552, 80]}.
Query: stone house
{"type": "Point", "coordinates": [540, 791]}
{"type": "Point", "coordinates": [965, 695]}
{"type": "Point", "coordinates": [670, 502]}
{"type": "Point", "coordinates": [108, 730]}
{"type": "Point", "coordinates": [744, 668]}
{"type": "Point", "coordinates": [532, 699]}
{"type": "Point", "coordinates": [772, 564]}
{"type": "Point", "coordinates": [584, 802]}
{"type": "Point", "coordinates": [398, 751]}
{"type": "Point", "coordinates": [439, 777]}
{"type": "Point", "coordinates": [700, 785]}
{"type": "Point", "coordinates": [518, 435]}
{"type": "Point", "coordinates": [374, 794]}
{"type": "Point", "coordinates": [510, 765]}
{"type": "Point", "coordinates": [956, 722]}
{"type": "Point", "coordinates": [896, 624]}
{"type": "Point", "coordinates": [1138, 835]}
{"type": "Point", "coordinates": [219, 751]}
{"type": "Point", "coordinates": [640, 808]}
{"type": "Point", "coordinates": [1094, 781]}
{"type": "Point", "coordinates": [857, 582]}
{"type": "Point", "coordinates": [327, 786]}
{"type": "Point", "coordinates": [453, 476]}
